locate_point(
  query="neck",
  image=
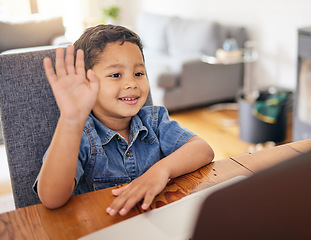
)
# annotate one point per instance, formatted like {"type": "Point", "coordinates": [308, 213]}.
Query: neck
{"type": "Point", "coordinates": [119, 125]}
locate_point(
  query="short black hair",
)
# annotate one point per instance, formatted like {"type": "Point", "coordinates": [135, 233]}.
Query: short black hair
{"type": "Point", "coordinates": [94, 40]}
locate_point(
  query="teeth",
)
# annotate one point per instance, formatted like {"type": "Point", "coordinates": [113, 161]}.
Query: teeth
{"type": "Point", "coordinates": [128, 99]}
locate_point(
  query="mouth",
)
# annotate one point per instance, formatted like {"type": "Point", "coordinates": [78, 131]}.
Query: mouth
{"type": "Point", "coordinates": [129, 100]}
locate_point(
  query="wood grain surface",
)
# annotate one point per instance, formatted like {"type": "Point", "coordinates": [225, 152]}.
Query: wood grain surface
{"type": "Point", "coordinates": [86, 213]}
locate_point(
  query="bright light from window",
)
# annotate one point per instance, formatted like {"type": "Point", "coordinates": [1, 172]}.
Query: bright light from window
{"type": "Point", "coordinates": [8, 8]}
{"type": "Point", "coordinates": [72, 12]}
{"type": "Point", "coordinates": [55, 7]}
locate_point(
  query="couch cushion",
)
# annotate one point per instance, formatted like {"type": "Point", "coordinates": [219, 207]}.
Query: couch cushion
{"type": "Point", "coordinates": [34, 31]}
{"type": "Point", "coordinates": [192, 37]}
{"type": "Point", "coordinates": [152, 30]}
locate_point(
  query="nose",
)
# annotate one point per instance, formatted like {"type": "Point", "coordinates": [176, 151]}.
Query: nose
{"type": "Point", "coordinates": [130, 82]}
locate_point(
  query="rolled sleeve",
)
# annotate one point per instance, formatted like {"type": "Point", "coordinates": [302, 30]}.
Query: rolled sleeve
{"type": "Point", "coordinates": [34, 186]}
{"type": "Point", "coordinates": [79, 171]}
{"type": "Point", "coordinates": [84, 154]}
{"type": "Point", "coordinates": [171, 135]}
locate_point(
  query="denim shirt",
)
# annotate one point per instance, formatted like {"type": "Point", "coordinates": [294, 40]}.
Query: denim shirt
{"type": "Point", "coordinates": [106, 159]}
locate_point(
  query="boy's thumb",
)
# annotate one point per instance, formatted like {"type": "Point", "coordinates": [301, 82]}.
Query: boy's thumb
{"type": "Point", "coordinates": [93, 80]}
{"type": "Point", "coordinates": [91, 76]}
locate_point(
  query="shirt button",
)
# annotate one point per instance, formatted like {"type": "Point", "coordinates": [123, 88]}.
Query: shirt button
{"type": "Point", "coordinates": [118, 138]}
{"type": "Point", "coordinates": [128, 154]}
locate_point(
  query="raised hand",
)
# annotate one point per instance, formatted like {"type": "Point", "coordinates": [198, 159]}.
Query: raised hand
{"type": "Point", "coordinates": [74, 90]}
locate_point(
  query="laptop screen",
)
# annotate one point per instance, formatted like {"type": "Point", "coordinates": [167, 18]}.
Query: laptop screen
{"type": "Point", "coordinates": [272, 204]}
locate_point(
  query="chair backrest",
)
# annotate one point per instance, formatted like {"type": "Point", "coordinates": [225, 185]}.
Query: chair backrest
{"type": "Point", "coordinates": [29, 115]}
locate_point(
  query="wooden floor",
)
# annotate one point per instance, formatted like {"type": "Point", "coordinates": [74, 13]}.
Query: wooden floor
{"type": "Point", "coordinates": [218, 125]}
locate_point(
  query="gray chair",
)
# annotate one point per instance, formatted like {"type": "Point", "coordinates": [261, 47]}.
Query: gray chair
{"type": "Point", "coordinates": [29, 115]}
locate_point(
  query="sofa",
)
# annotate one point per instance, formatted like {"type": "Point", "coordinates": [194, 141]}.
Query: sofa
{"type": "Point", "coordinates": [30, 33]}
{"type": "Point", "coordinates": [173, 49]}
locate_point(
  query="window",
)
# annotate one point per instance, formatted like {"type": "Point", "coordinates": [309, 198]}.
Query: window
{"type": "Point", "coordinates": [8, 8]}
{"type": "Point", "coordinates": [72, 12]}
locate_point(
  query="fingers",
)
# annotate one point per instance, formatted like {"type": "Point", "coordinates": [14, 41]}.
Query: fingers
{"type": "Point", "coordinates": [65, 65]}
{"type": "Point", "coordinates": [146, 187]}
{"type": "Point", "coordinates": [128, 198]}
{"type": "Point", "coordinates": [59, 63]}
{"type": "Point", "coordinates": [147, 201]}
{"type": "Point", "coordinates": [123, 206]}
{"type": "Point", "coordinates": [80, 62]}
{"type": "Point", "coordinates": [118, 191]}
{"type": "Point", "coordinates": [93, 82]}
{"type": "Point", "coordinates": [69, 61]}
{"type": "Point", "coordinates": [49, 70]}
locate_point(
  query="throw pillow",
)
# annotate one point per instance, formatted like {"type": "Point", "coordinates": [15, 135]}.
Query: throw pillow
{"type": "Point", "coordinates": [152, 30]}
{"type": "Point", "coordinates": [193, 37]}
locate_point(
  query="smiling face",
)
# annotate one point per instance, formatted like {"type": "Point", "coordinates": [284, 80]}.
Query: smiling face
{"type": "Point", "coordinates": [123, 82]}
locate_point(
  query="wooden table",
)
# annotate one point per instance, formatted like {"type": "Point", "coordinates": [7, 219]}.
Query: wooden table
{"type": "Point", "coordinates": [86, 213]}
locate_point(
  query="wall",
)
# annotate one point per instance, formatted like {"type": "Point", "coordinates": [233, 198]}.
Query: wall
{"type": "Point", "coordinates": [92, 10]}
{"type": "Point", "coordinates": [272, 24]}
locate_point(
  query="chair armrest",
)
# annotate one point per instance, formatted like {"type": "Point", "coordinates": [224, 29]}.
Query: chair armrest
{"type": "Point", "coordinates": [220, 81]}
{"type": "Point", "coordinates": [197, 68]}
{"type": "Point", "coordinates": [216, 61]}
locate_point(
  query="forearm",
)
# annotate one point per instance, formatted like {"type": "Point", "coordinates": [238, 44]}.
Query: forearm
{"type": "Point", "coordinates": [191, 156]}
{"type": "Point", "coordinates": [56, 179]}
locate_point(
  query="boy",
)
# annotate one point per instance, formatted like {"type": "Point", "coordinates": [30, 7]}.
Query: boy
{"type": "Point", "coordinates": [104, 136]}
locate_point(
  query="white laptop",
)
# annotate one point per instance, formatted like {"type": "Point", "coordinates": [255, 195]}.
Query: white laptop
{"type": "Point", "coordinates": [173, 221]}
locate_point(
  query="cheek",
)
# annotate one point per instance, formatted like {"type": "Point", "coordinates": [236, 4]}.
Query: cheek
{"type": "Point", "coordinates": [145, 86]}
{"type": "Point", "coordinates": [108, 89]}
{"type": "Point", "coordinates": [147, 90]}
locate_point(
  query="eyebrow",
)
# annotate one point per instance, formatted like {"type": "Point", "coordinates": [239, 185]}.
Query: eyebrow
{"type": "Point", "coordinates": [123, 66]}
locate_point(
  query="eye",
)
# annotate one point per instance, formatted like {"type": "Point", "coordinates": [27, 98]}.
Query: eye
{"type": "Point", "coordinates": [139, 74]}
{"type": "Point", "coordinates": [115, 75]}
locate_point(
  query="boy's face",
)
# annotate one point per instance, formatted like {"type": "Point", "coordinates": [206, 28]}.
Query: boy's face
{"type": "Point", "coordinates": [123, 82]}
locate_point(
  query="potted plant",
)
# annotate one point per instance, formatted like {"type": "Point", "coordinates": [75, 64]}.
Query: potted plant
{"type": "Point", "coordinates": [111, 14]}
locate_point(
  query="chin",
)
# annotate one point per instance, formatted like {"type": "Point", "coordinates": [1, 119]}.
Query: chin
{"type": "Point", "coordinates": [127, 112]}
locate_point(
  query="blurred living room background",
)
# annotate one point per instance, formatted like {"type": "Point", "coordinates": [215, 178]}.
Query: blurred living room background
{"type": "Point", "coordinates": [271, 24]}
{"type": "Point", "coordinates": [269, 29]}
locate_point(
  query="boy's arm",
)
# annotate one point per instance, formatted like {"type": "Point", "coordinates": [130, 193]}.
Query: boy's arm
{"type": "Point", "coordinates": [75, 96]}
{"type": "Point", "coordinates": [56, 178]}
{"type": "Point", "coordinates": [191, 156]}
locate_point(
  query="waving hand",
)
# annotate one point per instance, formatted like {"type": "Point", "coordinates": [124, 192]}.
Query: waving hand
{"type": "Point", "coordinates": [74, 90]}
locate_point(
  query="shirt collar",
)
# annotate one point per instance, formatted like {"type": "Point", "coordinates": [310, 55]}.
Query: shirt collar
{"type": "Point", "coordinates": [137, 127]}
{"type": "Point", "coordinates": [106, 134]}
